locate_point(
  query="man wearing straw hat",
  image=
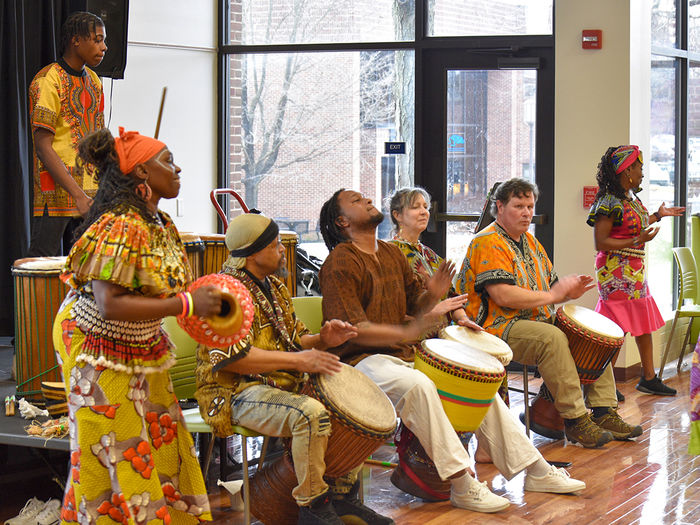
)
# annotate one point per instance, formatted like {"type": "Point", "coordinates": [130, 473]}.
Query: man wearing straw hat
{"type": "Point", "coordinates": [255, 381]}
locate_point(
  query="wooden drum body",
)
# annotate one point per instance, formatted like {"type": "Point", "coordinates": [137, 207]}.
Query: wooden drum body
{"type": "Point", "coordinates": [38, 294]}
{"type": "Point", "coordinates": [467, 380]}
{"type": "Point", "coordinates": [362, 417]}
{"type": "Point", "coordinates": [195, 252]}
{"type": "Point", "coordinates": [594, 340]}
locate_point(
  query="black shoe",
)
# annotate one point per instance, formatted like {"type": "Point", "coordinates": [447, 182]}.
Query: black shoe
{"type": "Point", "coordinates": [655, 386]}
{"type": "Point", "coordinates": [620, 396]}
{"type": "Point", "coordinates": [319, 512]}
{"type": "Point", "coordinates": [351, 510]}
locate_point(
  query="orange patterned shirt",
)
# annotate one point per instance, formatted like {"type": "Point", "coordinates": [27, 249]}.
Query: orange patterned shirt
{"type": "Point", "coordinates": [493, 258]}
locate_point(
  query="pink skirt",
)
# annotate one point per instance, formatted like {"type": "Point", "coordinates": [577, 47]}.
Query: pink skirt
{"type": "Point", "coordinates": [634, 316]}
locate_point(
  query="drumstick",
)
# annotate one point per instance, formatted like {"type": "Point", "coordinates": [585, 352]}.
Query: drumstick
{"type": "Point", "coordinates": [160, 111]}
{"type": "Point", "coordinates": [370, 461]}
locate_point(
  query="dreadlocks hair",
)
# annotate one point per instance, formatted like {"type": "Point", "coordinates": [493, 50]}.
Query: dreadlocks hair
{"type": "Point", "coordinates": [116, 191]}
{"type": "Point", "coordinates": [330, 231]}
{"type": "Point", "coordinates": [608, 180]}
{"type": "Point", "coordinates": [80, 23]}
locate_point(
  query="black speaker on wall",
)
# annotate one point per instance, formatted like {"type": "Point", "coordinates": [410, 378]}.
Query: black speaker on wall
{"type": "Point", "coordinates": [115, 15]}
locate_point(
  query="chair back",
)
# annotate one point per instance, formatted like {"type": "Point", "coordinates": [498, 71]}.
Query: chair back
{"type": "Point", "coordinates": [688, 273]}
{"type": "Point", "coordinates": [182, 372]}
{"type": "Point", "coordinates": [308, 310]}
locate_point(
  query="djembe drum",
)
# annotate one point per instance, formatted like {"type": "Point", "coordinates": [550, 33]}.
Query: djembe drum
{"type": "Point", "coordinates": [195, 252]}
{"type": "Point", "coordinates": [594, 341]}
{"type": "Point", "coordinates": [467, 380]}
{"type": "Point", "coordinates": [482, 340]}
{"type": "Point", "coordinates": [38, 295]}
{"type": "Point", "coordinates": [362, 419]}
{"type": "Point", "coordinates": [215, 252]}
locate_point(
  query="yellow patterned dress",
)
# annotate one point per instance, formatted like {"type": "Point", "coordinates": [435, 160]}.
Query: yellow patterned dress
{"type": "Point", "coordinates": [132, 459]}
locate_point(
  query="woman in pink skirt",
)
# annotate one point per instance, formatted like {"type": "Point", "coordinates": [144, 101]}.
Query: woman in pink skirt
{"type": "Point", "coordinates": [621, 229]}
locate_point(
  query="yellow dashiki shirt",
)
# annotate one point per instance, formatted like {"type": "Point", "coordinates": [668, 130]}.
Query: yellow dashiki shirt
{"type": "Point", "coordinates": [69, 104]}
{"type": "Point", "coordinates": [275, 327]}
{"type": "Point", "coordinates": [493, 258]}
{"type": "Point", "coordinates": [132, 459]}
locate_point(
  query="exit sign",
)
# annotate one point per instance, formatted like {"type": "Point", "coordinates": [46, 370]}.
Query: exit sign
{"type": "Point", "coordinates": [394, 148]}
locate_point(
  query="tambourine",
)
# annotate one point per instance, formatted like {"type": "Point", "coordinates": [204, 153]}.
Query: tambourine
{"type": "Point", "coordinates": [235, 319]}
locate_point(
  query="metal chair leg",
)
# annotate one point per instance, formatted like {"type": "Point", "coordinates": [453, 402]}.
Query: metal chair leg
{"type": "Point", "coordinates": [263, 451]}
{"type": "Point", "coordinates": [526, 400]}
{"type": "Point", "coordinates": [686, 340]}
{"type": "Point", "coordinates": [207, 460]}
{"type": "Point", "coordinates": [246, 486]}
{"type": "Point", "coordinates": [668, 346]}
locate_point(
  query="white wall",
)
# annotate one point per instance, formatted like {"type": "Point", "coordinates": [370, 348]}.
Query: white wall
{"type": "Point", "coordinates": [602, 100]}
{"type": "Point", "coordinates": [173, 43]}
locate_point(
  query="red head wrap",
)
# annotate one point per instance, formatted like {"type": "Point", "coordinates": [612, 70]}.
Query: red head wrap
{"type": "Point", "coordinates": [133, 149]}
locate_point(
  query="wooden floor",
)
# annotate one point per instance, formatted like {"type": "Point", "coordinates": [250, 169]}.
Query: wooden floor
{"type": "Point", "coordinates": [648, 481]}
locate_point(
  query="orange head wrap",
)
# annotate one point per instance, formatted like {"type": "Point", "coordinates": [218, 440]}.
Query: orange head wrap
{"type": "Point", "coordinates": [133, 149]}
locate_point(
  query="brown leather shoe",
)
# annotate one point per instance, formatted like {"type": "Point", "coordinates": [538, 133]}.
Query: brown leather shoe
{"type": "Point", "coordinates": [585, 431]}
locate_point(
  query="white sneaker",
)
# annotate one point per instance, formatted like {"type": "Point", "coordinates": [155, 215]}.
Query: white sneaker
{"type": "Point", "coordinates": [50, 514]}
{"type": "Point", "coordinates": [28, 514]}
{"type": "Point", "coordinates": [557, 480]}
{"type": "Point", "coordinates": [478, 498]}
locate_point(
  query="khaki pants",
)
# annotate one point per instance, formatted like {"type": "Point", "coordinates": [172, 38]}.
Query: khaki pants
{"type": "Point", "coordinates": [418, 405]}
{"type": "Point", "coordinates": [275, 412]}
{"type": "Point", "coordinates": [543, 344]}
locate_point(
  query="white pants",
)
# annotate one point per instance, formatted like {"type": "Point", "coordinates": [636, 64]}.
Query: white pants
{"type": "Point", "coordinates": [418, 405]}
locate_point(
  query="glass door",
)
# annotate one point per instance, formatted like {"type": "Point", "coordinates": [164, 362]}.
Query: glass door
{"type": "Point", "coordinates": [487, 117]}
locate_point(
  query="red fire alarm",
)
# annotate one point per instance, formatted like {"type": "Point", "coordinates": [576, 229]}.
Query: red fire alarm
{"type": "Point", "coordinates": [589, 193]}
{"type": "Point", "coordinates": [592, 39]}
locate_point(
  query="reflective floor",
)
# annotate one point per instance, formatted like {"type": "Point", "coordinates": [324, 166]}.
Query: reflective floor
{"type": "Point", "coordinates": [649, 481]}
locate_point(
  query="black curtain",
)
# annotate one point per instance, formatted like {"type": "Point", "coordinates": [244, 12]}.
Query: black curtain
{"type": "Point", "coordinates": [29, 34]}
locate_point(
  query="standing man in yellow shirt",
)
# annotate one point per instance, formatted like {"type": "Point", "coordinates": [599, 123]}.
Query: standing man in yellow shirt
{"type": "Point", "coordinates": [66, 103]}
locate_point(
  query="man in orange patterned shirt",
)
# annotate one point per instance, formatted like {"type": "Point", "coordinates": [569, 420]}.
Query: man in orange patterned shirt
{"type": "Point", "coordinates": [512, 290]}
{"type": "Point", "coordinates": [65, 104]}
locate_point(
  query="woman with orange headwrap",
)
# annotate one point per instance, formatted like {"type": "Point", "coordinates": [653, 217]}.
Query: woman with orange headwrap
{"type": "Point", "coordinates": [132, 459]}
{"type": "Point", "coordinates": [622, 228]}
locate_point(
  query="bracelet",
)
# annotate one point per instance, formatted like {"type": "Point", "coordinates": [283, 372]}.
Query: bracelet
{"type": "Point", "coordinates": [657, 215]}
{"type": "Point", "coordinates": [187, 304]}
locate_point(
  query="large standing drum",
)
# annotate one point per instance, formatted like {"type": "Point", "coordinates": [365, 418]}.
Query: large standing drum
{"type": "Point", "coordinates": [467, 380]}
{"type": "Point", "coordinates": [594, 340]}
{"type": "Point", "coordinates": [38, 295]}
{"type": "Point", "coordinates": [195, 252]}
{"type": "Point", "coordinates": [215, 252]}
{"type": "Point", "coordinates": [479, 340]}
{"type": "Point", "coordinates": [362, 419]}
{"type": "Point", "coordinates": [290, 240]}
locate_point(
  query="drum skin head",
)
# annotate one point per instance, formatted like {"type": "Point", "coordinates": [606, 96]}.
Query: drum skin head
{"type": "Point", "coordinates": [33, 264]}
{"type": "Point", "coordinates": [358, 398]}
{"type": "Point", "coordinates": [462, 356]}
{"type": "Point", "coordinates": [592, 321]}
{"type": "Point", "coordinates": [481, 340]}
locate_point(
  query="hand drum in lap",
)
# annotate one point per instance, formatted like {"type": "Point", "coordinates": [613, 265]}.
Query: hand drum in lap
{"type": "Point", "coordinates": [38, 294]}
{"type": "Point", "coordinates": [467, 380]}
{"type": "Point", "coordinates": [594, 340]}
{"type": "Point", "coordinates": [362, 417]}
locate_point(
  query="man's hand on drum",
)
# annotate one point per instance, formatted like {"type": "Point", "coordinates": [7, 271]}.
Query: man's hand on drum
{"type": "Point", "coordinates": [439, 283]}
{"type": "Point", "coordinates": [317, 361]}
{"type": "Point", "coordinates": [336, 332]}
{"type": "Point", "coordinates": [207, 301]}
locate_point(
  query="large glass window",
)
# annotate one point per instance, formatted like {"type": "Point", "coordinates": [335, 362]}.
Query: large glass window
{"type": "Point", "coordinates": [663, 23]}
{"type": "Point", "coordinates": [261, 22]}
{"type": "Point", "coordinates": [660, 170]}
{"type": "Point", "coordinates": [492, 17]}
{"type": "Point", "coordinates": [303, 125]}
